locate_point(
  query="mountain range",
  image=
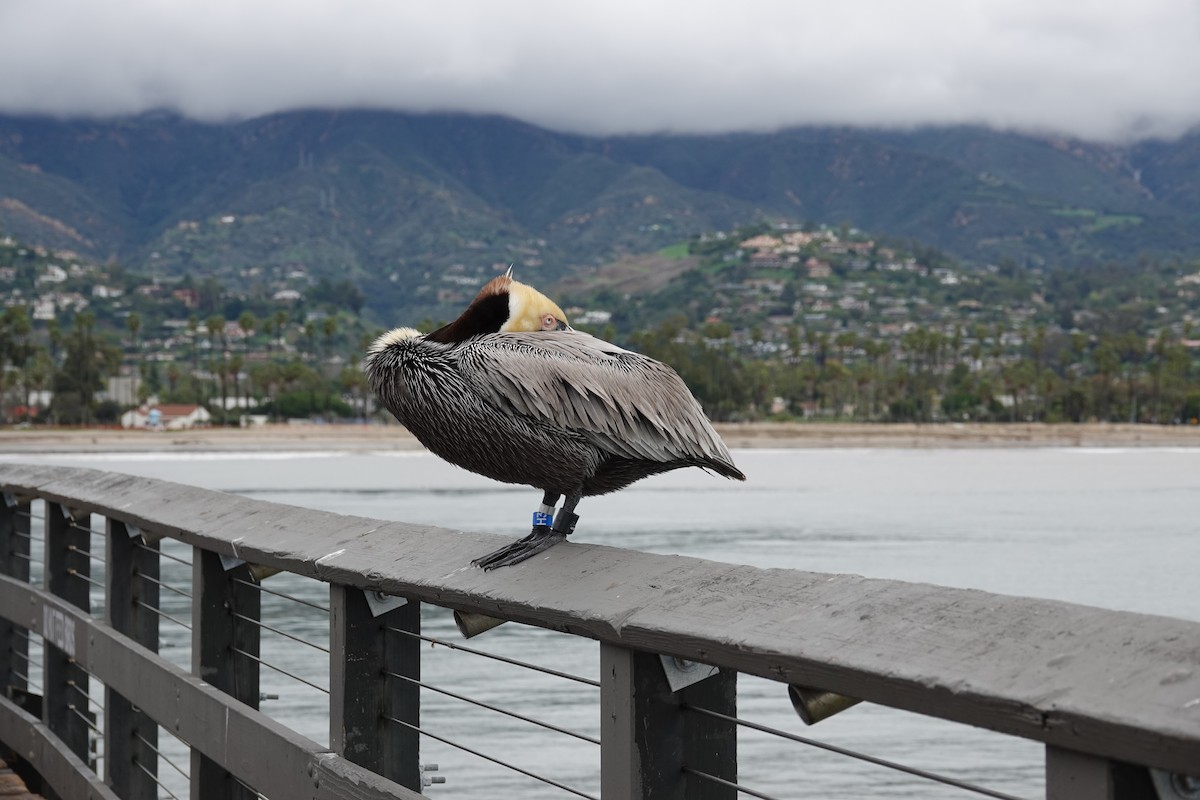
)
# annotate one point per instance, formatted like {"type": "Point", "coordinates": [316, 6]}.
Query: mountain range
{"type": "Point", "coordinates": [389, 198]}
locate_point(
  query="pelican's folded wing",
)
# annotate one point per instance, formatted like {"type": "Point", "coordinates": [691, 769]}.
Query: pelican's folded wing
{"type": "Point", "coordinates": [625, 403]}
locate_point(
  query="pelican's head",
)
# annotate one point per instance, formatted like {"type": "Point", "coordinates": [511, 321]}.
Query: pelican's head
{"type": "Point", "coordinates": [503, 305]}
{"type": "Point", "coordinates": [530, 310]}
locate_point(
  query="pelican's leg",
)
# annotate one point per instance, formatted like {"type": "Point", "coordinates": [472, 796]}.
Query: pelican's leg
{"type": "Point", "coordinates": [519, 550]}
{"type": "Point", "coordinates": [564, 521]}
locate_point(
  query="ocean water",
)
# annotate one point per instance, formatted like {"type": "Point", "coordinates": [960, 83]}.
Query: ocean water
{"type": "Point", "coordinates": [1108, 527]}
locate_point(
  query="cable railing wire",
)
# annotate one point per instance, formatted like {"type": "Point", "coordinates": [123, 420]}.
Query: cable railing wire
{"type": "Point", "coordinates": [248, 787]}
{"type": "Point", "coordinates": [165, 554]}
{"type": "Point", "coordinates": [299, 600]}
{"type": "Point", "coordinates": [164, 585]}
{"type": "Point", "coordinates": [494, 656]}
{"type": "Point", "coordinates": [74, 710]}
{"type": "Point", "coordinates": [72, 548]}
{"type": "Point", "coordinates": [273, 629]}
{"type": "Point", "coordinates": [164, 614]}
{"type": "Point", "coordinates": [98, 584]}
{"type": "Point", "coordinates": [493, 759]}
{"type": "Point", "coordinates": [163, 757]}
{"type": "Point", "coordinates": [882, 762]}
{"type": "Point", "coordinates": [730, 784]}
{"type": "Point", "coordinates": [497, 709]}
{"type": "Point", "coordinates": [280, 670]}
{"type": "Point", "coordinates": [154, 778]}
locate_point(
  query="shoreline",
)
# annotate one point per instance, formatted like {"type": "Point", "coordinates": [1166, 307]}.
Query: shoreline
{"type": "Point", "coordinates": [368, 438]}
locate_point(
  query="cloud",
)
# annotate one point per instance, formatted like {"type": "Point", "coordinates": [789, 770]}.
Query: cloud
{"type": "Point", "coordinates": [1100, 70]}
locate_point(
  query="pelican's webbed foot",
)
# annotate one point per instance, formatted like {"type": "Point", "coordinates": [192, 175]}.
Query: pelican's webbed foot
{"type": "Point", "coordinates": [542, 537]}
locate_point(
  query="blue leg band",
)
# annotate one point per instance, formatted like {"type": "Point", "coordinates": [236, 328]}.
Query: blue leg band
{"type": "Point", "coordinates": [543, 519]}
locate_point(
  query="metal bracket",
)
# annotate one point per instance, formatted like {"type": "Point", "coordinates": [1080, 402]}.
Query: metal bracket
{"type": "Point", "coordinates": [133, 530]}
{"type": "Point", "coordinates": [381, 603]}
{"type": "Point", "coordinates": [1175, 785]}
{"type": "Point", "coordinates": [10, 500]}
{"type": "Point", "coordinates": [231, 562]}
{"type": "Point", "coordinates": [682, 673]}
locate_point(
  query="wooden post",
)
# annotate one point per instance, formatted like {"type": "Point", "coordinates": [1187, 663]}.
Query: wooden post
{"type": "Point", "coordinates": [1072, 775]}
{"type": "Point", "coordinates": [15, 531]}
{"type": "Point", "coordinates": [65, 689]}
{"type": "Point", "coordinates": [647, 738]}
{"type": "Point", "coordinates": [361, 696]}
{"type": "Point", "coordinates": [216, 636]}
{"type": "Point", "coordinates": [130, 736]}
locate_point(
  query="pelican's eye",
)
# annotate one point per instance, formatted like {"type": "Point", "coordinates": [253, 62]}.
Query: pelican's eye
{"type": "Point", "coordinates": [549, 322]}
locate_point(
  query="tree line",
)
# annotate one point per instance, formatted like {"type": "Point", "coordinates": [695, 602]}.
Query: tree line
{"type": "Point", "coordinates": [274, 367]}
{"type": "Point", "coordinates": [927, 374]}
{"type": "Point", "coordinates": [995, 374]}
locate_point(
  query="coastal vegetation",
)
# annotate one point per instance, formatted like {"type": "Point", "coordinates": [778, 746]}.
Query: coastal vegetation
{"type": "Point", "coordinates": [782, 321]}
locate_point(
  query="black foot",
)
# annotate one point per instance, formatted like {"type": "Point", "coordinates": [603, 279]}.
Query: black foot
{"type": "Point", "coordinates": [541, 538]}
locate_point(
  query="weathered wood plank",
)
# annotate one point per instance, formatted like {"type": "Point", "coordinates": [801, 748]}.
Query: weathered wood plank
{"type": "Point", "coordinates": [15, 533]}
{"type": "Point", "coordinates": [254, 747]}
{"type": "Point", "coordinates": [68, 775]}
{"type": "Point", "coordinates": [648, 739]}
{"type": "Point", "coordinates": [1116, 684]}
{"type": "Point", "coordinates": [65, 684]}
{"type": "Point", "coordinates": [362, 693]}
{"type": "Point", "coordinates": [130, 736]}
{"type": "Point", "coordinates": [220, 601]}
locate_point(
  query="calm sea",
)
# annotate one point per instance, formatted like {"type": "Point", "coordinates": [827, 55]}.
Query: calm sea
{"type": "Point", "coordinates": [1108, 527]}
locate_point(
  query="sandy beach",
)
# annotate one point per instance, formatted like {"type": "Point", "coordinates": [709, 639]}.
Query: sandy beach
{"type": "Point", "coordinates": [751, 435]}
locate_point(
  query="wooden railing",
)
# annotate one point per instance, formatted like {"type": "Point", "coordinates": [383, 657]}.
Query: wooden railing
{"type": "Point", "coordinates": [1114, 696]}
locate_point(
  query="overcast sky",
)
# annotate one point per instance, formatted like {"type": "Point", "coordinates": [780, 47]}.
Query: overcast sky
{"type": "Point", "coordinates": [1097, 69]}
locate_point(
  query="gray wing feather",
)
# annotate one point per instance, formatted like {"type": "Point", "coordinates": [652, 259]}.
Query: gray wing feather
{"type": "Point", "coordinates": [625, 403]}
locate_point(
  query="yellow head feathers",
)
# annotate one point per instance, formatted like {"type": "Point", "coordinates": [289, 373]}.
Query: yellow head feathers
{"type": "Point", "coordinates": [530, 310]}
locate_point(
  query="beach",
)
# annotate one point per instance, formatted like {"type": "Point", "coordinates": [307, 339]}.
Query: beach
{"type": "Point", "coordinates": [366, 438]}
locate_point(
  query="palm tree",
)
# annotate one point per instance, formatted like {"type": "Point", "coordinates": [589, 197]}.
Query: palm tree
{"type": "Point", "coordinates": [216, 337]}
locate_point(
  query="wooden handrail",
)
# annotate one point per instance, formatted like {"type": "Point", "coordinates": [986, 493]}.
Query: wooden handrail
{"type": "Point", "coordinates": [1114, 684]}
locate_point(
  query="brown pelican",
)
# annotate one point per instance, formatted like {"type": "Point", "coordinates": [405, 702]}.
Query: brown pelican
{"type": "Point", "coordinates": [510, 391]}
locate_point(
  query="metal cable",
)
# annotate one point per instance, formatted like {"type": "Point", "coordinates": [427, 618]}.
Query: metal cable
{"type": "Point", "coordinates": [164, 614]}
{"type": "Point", "coordinates": [81, 576]}
{"type": "Point", "coordinates": [159, 753]}
{"type": "Point", "coordinates": [492, 759]}
{"type": "Point", "coordinates": [165, 554]}
{"type": "Point", "coordinates": [166, 586]}
{"type": "Point", "coordinates": [730, 784]}
{"type": "Point", "coordinates": [505, 659]}
{"type": "Point", "coordinates": [272, 629]}
{"type": "Point", "coordinates": [247, 786]}
{"type": "Point", "coordinates": [154, 778]}
{"type": "Point", "coordinates": [490, 707]}
{"type": "Point", "coordinates": [262, 588]}
{"type": "Point", "coordinates": [72, 548]}
{"type": "Point", "coordinates": [71, 707]}
{"type": "Point", "coordinates": [280, 670]}
{"type": "Point", "coordinates": [920, 773]}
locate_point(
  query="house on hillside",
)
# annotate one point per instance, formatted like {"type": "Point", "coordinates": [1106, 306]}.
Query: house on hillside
{"type": "Point", "coordinates": [170, 417]}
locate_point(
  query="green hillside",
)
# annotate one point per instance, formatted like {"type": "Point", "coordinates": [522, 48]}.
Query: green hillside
{"type": "Point", "coordinates": [394, 200]}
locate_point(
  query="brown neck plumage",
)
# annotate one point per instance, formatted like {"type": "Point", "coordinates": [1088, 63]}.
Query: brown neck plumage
{"type": "Point", "coordinates": [487, 312]}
